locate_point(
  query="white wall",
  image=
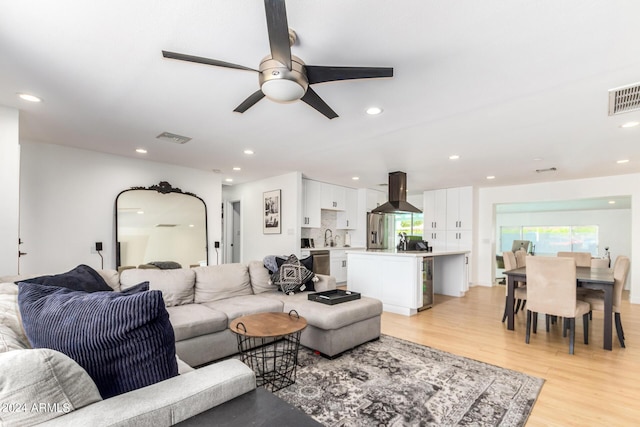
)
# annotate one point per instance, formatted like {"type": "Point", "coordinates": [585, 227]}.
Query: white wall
{"type": "Point", "coordinates": [485, 233]}
{"type": "Point", "coordinates": [9, 190]}
{"type": "Point", "coordinates": [67, 203]}
{"type": "Point", "coordinates": [254, 244]}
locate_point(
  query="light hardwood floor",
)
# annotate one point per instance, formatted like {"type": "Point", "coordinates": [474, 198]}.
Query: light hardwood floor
{"type": "Point", "coordinates": [593, 387]}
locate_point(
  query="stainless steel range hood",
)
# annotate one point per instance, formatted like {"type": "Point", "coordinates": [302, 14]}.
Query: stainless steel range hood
{"type": "Point", "coordinates": [397, 196]}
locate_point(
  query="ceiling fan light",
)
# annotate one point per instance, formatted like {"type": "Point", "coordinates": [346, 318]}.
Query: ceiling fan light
{"type": "Point", "coordinates": [282, 90]}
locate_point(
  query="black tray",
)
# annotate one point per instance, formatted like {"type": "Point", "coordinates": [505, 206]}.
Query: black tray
{"type": "Point", "coordinates": [336, 296]}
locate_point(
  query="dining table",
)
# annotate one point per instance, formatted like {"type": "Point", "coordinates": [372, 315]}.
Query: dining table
{"type": "Point", "coordinates": [586, 277]}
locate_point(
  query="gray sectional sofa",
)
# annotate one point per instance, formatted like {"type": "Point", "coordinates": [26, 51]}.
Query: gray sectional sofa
{"type": "Point", "coordinates": [201, 303]}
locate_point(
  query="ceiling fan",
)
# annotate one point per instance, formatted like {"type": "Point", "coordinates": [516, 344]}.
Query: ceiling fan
{"type": "Point", "coordinates": [284, 77]}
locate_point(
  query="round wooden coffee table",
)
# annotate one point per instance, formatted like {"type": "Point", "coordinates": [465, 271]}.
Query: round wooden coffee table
{"type": "Point", "coordinates": [269, 343]}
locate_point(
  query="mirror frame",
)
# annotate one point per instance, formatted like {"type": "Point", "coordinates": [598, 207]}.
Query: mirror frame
{"type": "Point", "coordinates": [164, 188]}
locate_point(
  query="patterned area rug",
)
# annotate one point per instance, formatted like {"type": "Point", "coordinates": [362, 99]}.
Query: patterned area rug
{"type": "Point", "coordinates": [391, 382]}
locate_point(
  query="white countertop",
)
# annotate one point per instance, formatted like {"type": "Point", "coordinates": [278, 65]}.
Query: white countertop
{"type": "Point", "coordinates": [334, 248]}
{"type": "Point", "coordinates": [396, 252]}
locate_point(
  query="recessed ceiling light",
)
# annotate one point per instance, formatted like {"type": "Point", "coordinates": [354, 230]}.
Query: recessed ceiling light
{"type": "Point", "coordinates": [236, 168]}
{"type": "Point", "coordinates": [248, 151]}
{"type": "Point", "coordinates": [630, 124]}
{"type": "Point", "coordinates": [140, 212]}
{"type": "Point", "coordinates": [229, 179]}
{"type": "Point", "coordinates": [612, 202]}
{"type": "Point", "coordinates": [454, 157]}
{"type": "Point", "coordinates": [355, 178]}
{"type": "Point", "coordinates": [372, 111]}
{"type": "Point", "coordinates": [30, 98]}
{"type": "Point", "coordinates": [191, 225]}
{"type": "Point", "coordinates": [623, 161]}
{"type": "Point", "coordinates": [491, 177]}
{"type": "Point", "coordinates": [537, 159]}
{"type": "Point", "coordinates": [141, 151]}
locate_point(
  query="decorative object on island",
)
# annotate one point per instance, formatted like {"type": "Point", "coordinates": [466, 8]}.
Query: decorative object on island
{"type": "Point", "coordinates": [271, 220]}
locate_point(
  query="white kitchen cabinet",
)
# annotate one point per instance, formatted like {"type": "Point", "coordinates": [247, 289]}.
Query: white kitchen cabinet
{"type": "Point", "coordinates": [338, 265]}
{"type": "Point", "coordinates": [311, 194]}
{"type": "Point", "coordinates": [458, 239]}
{"type": "Point", "coordinates": [435, 210]}
{"type": "Point", "coordinates": [375, 198]}
{"type": "Point", "coordinates": [332, 197]}
{"type": "Point", "coordinates": [459, 208]}
{"type": "Point", "coordinates": [437, 239]}
{"type": "Point", "coordinates": [348, 219]}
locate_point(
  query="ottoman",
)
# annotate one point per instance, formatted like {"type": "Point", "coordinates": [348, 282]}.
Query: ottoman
{"type": "Point", "coordinates": [333, 329]}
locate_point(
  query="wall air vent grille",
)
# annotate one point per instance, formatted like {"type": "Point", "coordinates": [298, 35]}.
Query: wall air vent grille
{"type": "Point", "coordinates": [166, 225]}
{"type": "Point", "coordinates": [624, 99]}
{"type": "Point", "coordinates": [172, 137]}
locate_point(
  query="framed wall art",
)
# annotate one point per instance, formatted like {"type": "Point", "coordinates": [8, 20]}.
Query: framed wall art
{"type": "Point", "coordinates": [271, 220]}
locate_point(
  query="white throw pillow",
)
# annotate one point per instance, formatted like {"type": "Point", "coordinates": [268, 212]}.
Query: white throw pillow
{"type": "Point", "coordinates": [12, 336]}
{"type": "Point", "coordinates": [42, 384]}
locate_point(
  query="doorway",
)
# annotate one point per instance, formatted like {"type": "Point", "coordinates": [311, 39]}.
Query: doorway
{"type": "Point", "coordinates": [235, 232]}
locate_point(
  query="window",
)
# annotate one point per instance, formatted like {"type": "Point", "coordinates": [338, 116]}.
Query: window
{"type": "Point", "coordinates": [410, 223]}
{"type": "Point", "coordinates": [551, 239]}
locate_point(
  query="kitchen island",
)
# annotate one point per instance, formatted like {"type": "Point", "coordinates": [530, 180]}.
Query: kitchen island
{"type": "Point", "coordinates": [399, 279]}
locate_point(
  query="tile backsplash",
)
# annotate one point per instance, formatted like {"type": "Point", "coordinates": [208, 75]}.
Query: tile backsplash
{"type": "Point", "coordinates": [328, 220]}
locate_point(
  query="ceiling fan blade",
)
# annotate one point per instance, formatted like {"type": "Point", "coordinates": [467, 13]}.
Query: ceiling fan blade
{"type": "Point", "coordinates": [207, 61]}
{"type": "Point", "coordinates": [320, 74]}
{"type": "Point", "coordinates": [312, 99]}
{"type": "Point", "coordinates": [278, 31]}
{"type": "Point", "coordinates": [250, 101]}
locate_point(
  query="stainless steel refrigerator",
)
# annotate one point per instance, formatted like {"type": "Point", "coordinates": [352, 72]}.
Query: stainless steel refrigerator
{"type": "Point", "coordinates": [378, 229]}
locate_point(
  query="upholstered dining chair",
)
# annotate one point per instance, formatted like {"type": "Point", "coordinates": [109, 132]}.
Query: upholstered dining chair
{"type": "Point", "coordinates": [521, 258]}
{"type": "Point", "coordinates": [583, 259]}
{"type": "Point", "coordinates": [596, 298]}
{"type": "Point", "coordinates": [519, 292]}
{"type": "Point", "coordinates": [600, 262]}
{"type": "Point", "coordinates": [551, 289]}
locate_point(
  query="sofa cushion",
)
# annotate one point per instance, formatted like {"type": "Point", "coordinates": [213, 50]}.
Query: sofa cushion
{"type": "Point", "coordinates": [218, 282]}
{"type": "Point", "coordinates": [42, 384]}
{"type": "Point", "coordinates": [12, 336]}
{"type": "Point", "coordinates": [124, 342]}
{"type": "Point", "coordinates": [241, 306]}
{"type": "Point", "coordinates": [193, 320]}
{"type": "Point", "coordinates": [176, 285]}
{"type": "Point", "coordinates": [81, 278]}
{"type": "Point", "coordinates": [111, 277]}
{"type": "Point", "coordinates": [260, 278]}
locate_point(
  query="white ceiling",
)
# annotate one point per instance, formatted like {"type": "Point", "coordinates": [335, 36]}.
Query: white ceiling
{"type": "Point", "coordinates": [498, 82]}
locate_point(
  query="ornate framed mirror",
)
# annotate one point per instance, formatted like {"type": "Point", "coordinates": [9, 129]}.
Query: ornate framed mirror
{"type": "Point", "coordinates": [160, 227]}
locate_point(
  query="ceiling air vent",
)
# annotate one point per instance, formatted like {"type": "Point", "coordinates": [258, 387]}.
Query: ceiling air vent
{"type": "Point", "coordinates": [172, 137]}
{"type": "Point", "coordinates": [166, 225]}
{"type": "Point", "coordinates": [546, 170]}
{"type": "Point", "coordinates": [624, 99]}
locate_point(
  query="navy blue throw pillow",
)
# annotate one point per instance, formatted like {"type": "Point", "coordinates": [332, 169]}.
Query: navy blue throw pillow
{"type": "Point", "coordinates": [81, 278]}
{"type": "Point", "coordinates": [123, 341]}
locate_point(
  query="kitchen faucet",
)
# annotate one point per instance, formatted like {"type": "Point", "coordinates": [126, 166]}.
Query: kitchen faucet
{"type": "Point", "coordinates": [328, 241]}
